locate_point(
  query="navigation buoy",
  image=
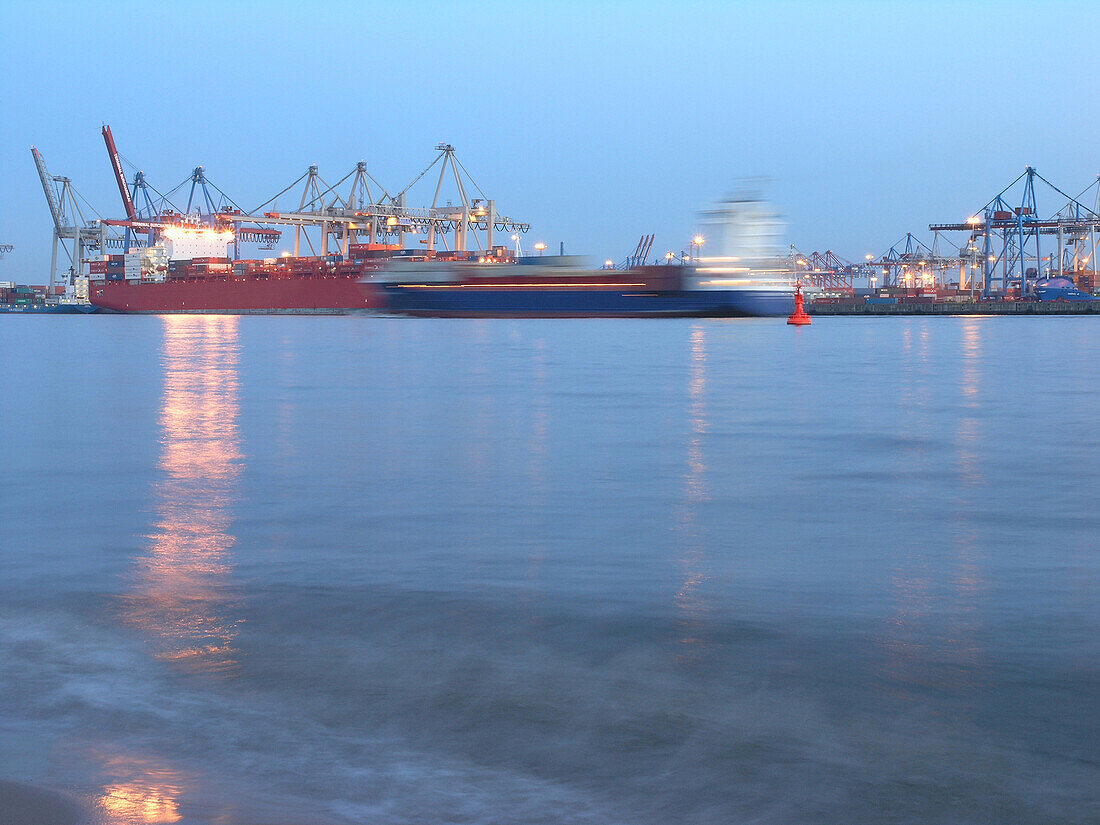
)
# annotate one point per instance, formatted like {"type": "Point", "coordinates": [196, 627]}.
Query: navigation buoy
{"type": "Point", "coordinates": [799, 317]}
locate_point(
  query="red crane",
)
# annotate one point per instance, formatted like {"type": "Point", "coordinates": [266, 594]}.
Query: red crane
{"type": "Point", "coordinates": [120, 176]}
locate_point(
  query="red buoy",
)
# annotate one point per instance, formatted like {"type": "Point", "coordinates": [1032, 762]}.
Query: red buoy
{"type": "Point", "coordinates": [799, 317]}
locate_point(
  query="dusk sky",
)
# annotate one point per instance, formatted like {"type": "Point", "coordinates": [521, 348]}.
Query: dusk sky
{"type": "Point", "coordinates": [595, 122]}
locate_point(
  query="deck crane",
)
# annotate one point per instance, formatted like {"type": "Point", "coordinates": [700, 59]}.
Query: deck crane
{"type": "Point", "coordinates": [68, 221]}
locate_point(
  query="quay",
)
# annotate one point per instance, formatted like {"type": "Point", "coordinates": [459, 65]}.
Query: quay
{"type": "Point", "coordinates": [961, 308]}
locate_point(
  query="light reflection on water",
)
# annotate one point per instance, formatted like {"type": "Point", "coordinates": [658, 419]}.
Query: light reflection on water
{"type": "Point", "coordinates": [932, 636]}
{"type": "Point", "coordinates": [142, 793]}
{"type": "Point", "coordinates": [180, 597]}
{"type": "Point", "coordinates": [616, 573]}
{"type": "Point", "coordinates": [691, 554]}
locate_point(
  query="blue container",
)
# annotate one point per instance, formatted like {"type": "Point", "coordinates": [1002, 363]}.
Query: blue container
{"type": "Point", "coordinates": [876, 300]}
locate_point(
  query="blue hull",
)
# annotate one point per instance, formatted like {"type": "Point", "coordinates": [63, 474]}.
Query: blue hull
{"type": "Point", "coordinates": [51, 309]}
{"type": "Point", "coordinates": [1062, 294]}
{"type": "Point", "coordinates": [457, 302]}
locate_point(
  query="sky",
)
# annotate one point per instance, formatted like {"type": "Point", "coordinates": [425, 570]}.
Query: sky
{"type": "Point", "coordinates": [596, 122]}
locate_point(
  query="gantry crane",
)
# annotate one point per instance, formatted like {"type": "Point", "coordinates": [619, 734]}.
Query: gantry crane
{"type": "Point", "coordinates": [826, 270]}
{"type": "Point", "coordinates": [68, 222]}
{"type": "Point", "coordinates": [151, 220]}
{"type": "Point", "coordinates": [1006, 240]}
{"type": "Point", "coordinates": [912, 263]}
{"type": "Point", "coordinates": [386, 219]}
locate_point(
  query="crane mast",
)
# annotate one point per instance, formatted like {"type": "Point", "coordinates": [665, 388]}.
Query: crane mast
{"type": "Point", "coordinates": [120, 176]}
{"type": "Point", "coordinates": [47, 187]}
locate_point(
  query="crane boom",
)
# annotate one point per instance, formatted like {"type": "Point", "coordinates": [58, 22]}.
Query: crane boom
{"type": "Point", "coordinates": [120, 176]}
{"type": "Point", "coordinates": [47, 187]}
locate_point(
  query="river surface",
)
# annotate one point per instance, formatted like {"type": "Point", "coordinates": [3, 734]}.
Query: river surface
{"type": "Point", "coordinates": [376, 570]}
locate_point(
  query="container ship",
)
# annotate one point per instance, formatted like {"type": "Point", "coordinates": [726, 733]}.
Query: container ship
{"type": "Point", "coordinates": [151, 281]}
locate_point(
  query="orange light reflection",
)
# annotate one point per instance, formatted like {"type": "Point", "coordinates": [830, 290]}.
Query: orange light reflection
{"type": "Point", "coordinates": [142, 793]}
{"type": "Point", "coordinates": [180, 593]}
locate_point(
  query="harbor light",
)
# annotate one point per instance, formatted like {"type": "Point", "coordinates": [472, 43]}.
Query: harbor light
{"type": "Point", "coordinates": [609, 263]}
{"type": "Point", "coordinates": [540, 246]}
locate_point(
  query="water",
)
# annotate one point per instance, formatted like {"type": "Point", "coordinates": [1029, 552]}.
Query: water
{"type": "Point", "coordinates": [335, 570]}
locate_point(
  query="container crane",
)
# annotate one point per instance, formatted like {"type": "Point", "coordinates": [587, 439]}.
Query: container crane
{"type": "Point", "coordinates": [388, 218]}
{"type": "Point", "coordinates": [826, 270]}
{"type": "Point", "coordinates": [1007, 237]}
{"type": "Point", "coordinates": [68, 221]}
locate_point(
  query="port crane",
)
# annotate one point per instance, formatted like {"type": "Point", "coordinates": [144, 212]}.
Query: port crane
{"type": "Point", "coordinates": [1005, 243]}
{"type": "Point", "coordinates": [152, 220]}
{"type": "Point", "coordinates": [910, 262]}
{"type": "Point", "coordinates": [826, 270]}
{"type": "Point", "coordinates": [71, 232]}
{"type": "Point", "coordinates": [466, 217]}
{"type": "Point", "coordinates": [640, 254]}
{"type": "Point", "coordinates": [388, 219]}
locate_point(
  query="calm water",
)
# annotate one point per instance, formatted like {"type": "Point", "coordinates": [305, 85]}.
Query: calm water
{"type": "Point", "coordinates": [340, 570]}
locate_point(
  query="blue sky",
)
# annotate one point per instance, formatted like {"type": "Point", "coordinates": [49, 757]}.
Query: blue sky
{"type": "Point", "coordinates": [594, 121]}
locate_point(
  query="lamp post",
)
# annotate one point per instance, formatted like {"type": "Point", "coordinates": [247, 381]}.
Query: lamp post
{"type": "Point", "coordinates": [696, 243]}
{"type": "Point", "coordinates": [540, 246]}
{"type": "Point", "coordinates": [668, 257]}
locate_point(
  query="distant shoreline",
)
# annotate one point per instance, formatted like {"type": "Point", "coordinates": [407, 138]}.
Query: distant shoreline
{"type": "Point", "coordinates": [961, 308]}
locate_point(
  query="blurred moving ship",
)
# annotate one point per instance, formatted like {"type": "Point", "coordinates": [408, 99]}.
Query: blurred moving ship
{"type": "Point", "coordinates": [745, 276]}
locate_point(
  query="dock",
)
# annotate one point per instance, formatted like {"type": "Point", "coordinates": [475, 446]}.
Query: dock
{"type": "Point", "coordinates": [962, 308]}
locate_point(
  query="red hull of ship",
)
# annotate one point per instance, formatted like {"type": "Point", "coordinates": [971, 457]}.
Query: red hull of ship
{"type": "Point", "coordinates": [288, 294]}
